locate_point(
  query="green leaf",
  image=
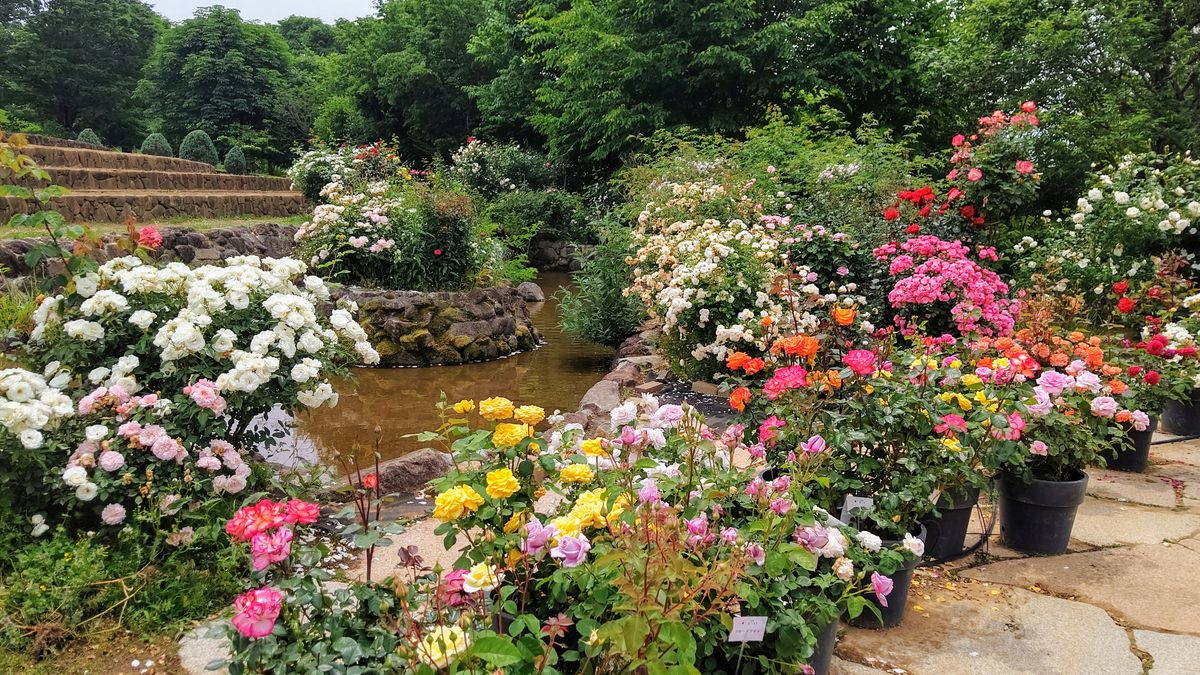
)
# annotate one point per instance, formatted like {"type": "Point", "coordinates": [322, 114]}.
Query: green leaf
{"type": "Point", "coordinates": [496, 650]}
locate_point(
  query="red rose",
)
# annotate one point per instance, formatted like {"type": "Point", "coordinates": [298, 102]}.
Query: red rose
{"type": "Point", "coordinates": [1152, 377]}
{"type": "Point", "coordinates": [913, 229]}
{"type": "Point", "coordinates": [437, 251]}
{"type": "Point", "coordinates": [967, 211]}
{"type": "Point", "coordinates": [1120, 287]}
{"type": "Point", "coordinates": [1125, 305]}
{"type": "Point", "coordinates": [370, 481]}
{"type": "Point", "coordinates": [1029, 106]}
{"type": "Point", "coordinates": [1134, 371]}
{"type": "Point", "coordinates": [890, 214]}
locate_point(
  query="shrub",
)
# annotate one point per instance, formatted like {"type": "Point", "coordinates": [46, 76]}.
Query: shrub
{"type": "Point", "coordinates": [88, 136]}
{"type": "Point", "coordinates": [599, 310]}
{"type": "Point", "coordinates": [555, 215]}
{"type": "Point", "coordinates": [490, 170]}
{"type": "Point", "coordinates": [235, 160]}
{"type": "Point", "coordinates": [198, 147]}
{"type": "Point", "coordinates": [318, 167]}
{"type": "Point", "coordinates": [156, 144]}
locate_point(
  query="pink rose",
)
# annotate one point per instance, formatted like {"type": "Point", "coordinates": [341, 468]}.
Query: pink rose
{"type": "Point", "coordinates": [1038, 448]}
{"type": "Point", "coordinates": [1053, 382]}
{"type": "Point", "coordinates": [538, 535]}
{"type": "Point", "coordinates": [111, 460]}
{"type": "Point", "coordinates": [256, 612]}
{"type": "Point", "coordinates": [451, 593]}
{"type": "Point", "coordinates": [1024, 167]}
{"type": "Point", "coordinates": [861, 361]}
{"type": "Point", "coordinates": [973, 175]}
{"type": "Point", "coordinates": [882, 586]}
{"type": "Point", "coordinates": [1141, 421]}
{"type": "Point", "coordinates": [1104, 406]}
{"type": "Point", "coordinates": [113, 514]}
{"type": "Point", "coordinates": [814, 537]}
{"type": "Point", "coordinates": [300, 511]}
{"type": "Point", "coordinates": [756, 553]}
{"type": "Point", "coordinates": [571, 551]}
{"type": "Point", "coordinates": [149, 237]}
{"type": "Point", "coordinates": [267, 548]}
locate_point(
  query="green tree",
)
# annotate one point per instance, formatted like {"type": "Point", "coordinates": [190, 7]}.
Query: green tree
{"type": "Point", "coordinates": [306, 34]}
{"type": "Point", "coordinates": [227, 77]}
{"type": "Point", "coordinates": [157, 144]}
{"type": "Point", "coordinates": [235, 161]}
{"type": "Point", "coordinates": [77, 62]}
{"type": "Point", "coordinates": [408, 70]}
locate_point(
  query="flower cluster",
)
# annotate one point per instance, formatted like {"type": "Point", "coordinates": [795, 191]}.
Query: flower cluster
{"type": "Point", "coordinates": [29, 404]}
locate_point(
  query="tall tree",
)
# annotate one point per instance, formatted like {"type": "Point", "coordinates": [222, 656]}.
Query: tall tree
{"type": "Point", "coordinates": [77, 62]}
{"type": "Point", "coordinates": [306, 34]}
{"type": "Point", "coordinates": [227, 77]}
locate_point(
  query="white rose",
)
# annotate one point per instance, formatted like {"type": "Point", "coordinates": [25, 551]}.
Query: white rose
{"type": "Point", "coordinates": [96, 432]}
{"type": "Point", "coordinates": [1132, 212]}
{"type": "Point", "coordinates": [1121, 198]}
{"type": "Point", "coordinates": [86, 285]}
{"type": "Point", "coordinates": [142, 318]}
{"type": "Point", "coordinates": [20, 391]}
{"type": "Point", "coordinates": [75, 476]}
{"type": "Point", "coordinates": [869, 541]}
{"type": "Point", "coordinates": [31, 439]}
{"type": "Point", "coordinates": [97, 375]}
{"type": "Point", "coordinates": [915, 545]}
{"type": "Point", "coordinates": [86, 492]}
{"type": "Point", "coordinates": [1095, 195]}
{"type": "Point", "coordinates": [844, 569]}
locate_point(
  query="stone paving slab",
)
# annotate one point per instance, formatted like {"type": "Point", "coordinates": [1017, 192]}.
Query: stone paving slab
{"type": "Point", "coordinates": [1172, 654]}
{"type": "Point", "coordinates": [977, 629]}
{"type": "Point", "coordinates": [1131, 487]}
{"type": "Point", "coordinates": [1105, 523]}
{"type": "Point", "coordinates": [1149, 585]}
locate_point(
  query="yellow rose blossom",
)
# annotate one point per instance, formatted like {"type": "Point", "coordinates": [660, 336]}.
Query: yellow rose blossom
{"type": "Point", "coordinates": [621, 503]}
{"type": "Point", "coordinates": [497, 408]}
{"type": "Point", "coordinates": [529, 414]}
{"type": "Point", "coordinates": [577, 473]}
{"type": "Point", "coordinates": [508, 434]}
{"type": "Point", "coordinates": [512, 558]}
{"type": "Point", "coordinates": [1000, 363]}
{"type": "Point", "coordinates": [971, 380]}
{"type": "Point", "coordinates": [516, 522]}
{"type": "Point", "coordinates": [453, 503]}
{"type": "Point", "coordinates": [956, 363]}
{"type": "Point", "coordinates": [481, 577]}
{"type": "Point", "coordinates": [593, 447]}
{"type": "Point", "coordinates": [567, 526]}
{"type": "Point", "coordinates": [589, 508]}
{"type": "Point", "coordinates": [464, 406]}
{"type": "Point", "coordinates": [441, 644]}
{"type": "Point", "coordinates": [501, 483]}
{"type": "Point", "coordinates": [869, 389]}
{"type": "Point", "coordinates": [952, 444]}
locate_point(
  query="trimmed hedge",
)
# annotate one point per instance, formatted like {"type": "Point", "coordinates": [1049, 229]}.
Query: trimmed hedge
{"type": "Point", "coordinates": [156, 144]}
{"type": "Point", "coordinates": [198, 147]}
{"type": "Point", "coordinates": [88, 136]}
{"type": "Point", "coordinates": [235, 160]}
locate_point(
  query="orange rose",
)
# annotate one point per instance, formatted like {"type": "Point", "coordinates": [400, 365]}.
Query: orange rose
{"type": "Point", "coordinates": [844, 316]}
{"type": "Point", "coordinates": [1004, 343]}
{"type": "Point", "coordinates": [753, 366]}
{"type": "Point", "coordinates": [1123, 416]}
{"type": "Point", "coordinates": [737, 360]}
{"type": "Point", "coordinates": [1075, 336]}
{"type": "Point", "coordinates": [1118, 387]}
{"type": "Point", "coordinates": [739, 398]}
{"type": "Point", "coordinates": [834, 379]}
{"type": "Point", "coordinates": [1059, 359]}
{"type": "Point", "coordinates": [802, 346]}
{"type": "Point", "coordinates": [767, 322]}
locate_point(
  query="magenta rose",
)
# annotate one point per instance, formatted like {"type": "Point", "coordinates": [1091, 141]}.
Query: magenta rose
{"type": "Point", "coordinates": [270, 548]}
{"type": "Point", "coordinates": [861, 361]}
{"type": "Point", "coordinates": [451, 594]}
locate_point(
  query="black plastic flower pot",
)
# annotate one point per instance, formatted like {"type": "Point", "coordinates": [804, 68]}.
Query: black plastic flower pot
{"type": "Point", "coordinates": [1182, 418]}
{"type": "Point", "coordinates": [947, 532]}
{"type": "Point", "coordinates": [1037, 517]}
{"type": "Point", "coordinates": [890, 616]}
{"type": "Point", "coordinates": [1131, 453]}
{"type": "Point", "coordinates": [822, 656]}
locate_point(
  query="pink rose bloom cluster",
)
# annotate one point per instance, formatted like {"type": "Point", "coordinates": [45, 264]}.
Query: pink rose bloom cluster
{"type": "Point", "coordinates": [785, 379]}
{"type": "Point", "coordinates": [101, 397]}
{"type": "Point", "coordinates": [861, 361]}
{"type": "Point", "coordinates": [266, 526]}
{"type": "Point", "coordinates": [256, 612]}
{"type": "Point", "coordinates": [931, 271]}
{"type": "Point", "coordinates": [205, 394]}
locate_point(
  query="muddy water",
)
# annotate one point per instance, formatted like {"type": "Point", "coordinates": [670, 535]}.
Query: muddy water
{"type": "Point", "coordinates": [400, 401]}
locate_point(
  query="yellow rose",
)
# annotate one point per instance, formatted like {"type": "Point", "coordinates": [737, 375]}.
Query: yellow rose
{"type": "Point", "coordinates": [529, 414]}
{"type": "Point", "coordinates": [512, 558]}
{"type": "Point", "coordinates": [481, 577]}
{"type": "Point", "coordinates": [593, 447]}
{"type": "Point", "coordinates": [567, 526]}
{"type": "Point", "coordinates": [589, 508]}
{"type": "Point", "coordinates": [498, 408]}
{"type": "Point", "coordinates": [464, 406]}
{"type": "Point", "coordinates": [453, 503]}
{"type": "Point", "coordinates": [577, 473]}
{"type": "Point", "coordinates": [1000, 363]}
{"type": "Point", "coordinates": [501, 483]}
{"type": "Point", "coordinates": [971, 380]}
{"type": "Point", "coordinates": [516, 522]}
{"type": "Point", "coordinates": [956, 363]}
{"type": "Point", "coordinates": [952, 444]}
{"type": "Point", "coordinates": [441, 645]}
{"type": "Point", "coordinates": [508, 434]}
{"type": "Point", "coordinates": [621, 503]}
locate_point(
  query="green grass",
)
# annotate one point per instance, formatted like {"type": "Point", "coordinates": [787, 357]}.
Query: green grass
{"type": "Point", "coordinates": [16, 307]}
{"type": "Point", "coordinates": [195, 223]}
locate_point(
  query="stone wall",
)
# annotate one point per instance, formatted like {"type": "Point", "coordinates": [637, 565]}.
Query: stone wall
{"type": "Point", "coordinates": [179, 243]}
{"type": "Point", "coordinates": [79, 178]}
{"type": "Point", "coordinates": [413, 328]}
{"type": "Point", "coordinates": [558, 256]}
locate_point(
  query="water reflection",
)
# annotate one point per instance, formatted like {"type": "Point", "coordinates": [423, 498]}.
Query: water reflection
{"type": "Point", "coordinates": [400, 401]}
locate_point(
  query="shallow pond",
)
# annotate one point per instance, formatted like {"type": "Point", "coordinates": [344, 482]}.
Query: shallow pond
{"type": "Point", "coordinates": [400, 401]}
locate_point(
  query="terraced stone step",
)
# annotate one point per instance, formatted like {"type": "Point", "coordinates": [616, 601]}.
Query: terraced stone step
{"type": "Point", "coordinates": [38, 139]}
{"type": "Point", "coordinates": [46, 155]}
{"type": "Point", "coordinates": [145, 205]}
{"type": "Point", "coordinates": [80, 178]}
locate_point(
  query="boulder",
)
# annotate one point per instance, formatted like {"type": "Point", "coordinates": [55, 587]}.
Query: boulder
{"type": "Point", "coordinates": [602, 397]}
{"type": "Point", "coordinates": [409, 473]}
{"type": "Point", "coordinates": [531, 292]}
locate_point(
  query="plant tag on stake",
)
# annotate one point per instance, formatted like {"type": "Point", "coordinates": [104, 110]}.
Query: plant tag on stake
{"type": "Point", "coordinates": [855, 503]}
{"type": "Point", "coordinates": [748, 629]}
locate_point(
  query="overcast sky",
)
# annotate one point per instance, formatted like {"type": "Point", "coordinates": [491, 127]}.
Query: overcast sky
{"type": "Point", "coordinates": [269, 11]}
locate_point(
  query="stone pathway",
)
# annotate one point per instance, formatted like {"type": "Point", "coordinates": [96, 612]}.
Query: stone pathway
{"type": "Point", "coordinates": [1122, 601]}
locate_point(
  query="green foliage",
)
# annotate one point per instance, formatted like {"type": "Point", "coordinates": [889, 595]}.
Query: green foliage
{"type": "Point", "coordinates": [16, 307]}
{"type": "Point", "coordinates": [198, 147]}
{"type": "Point", "coordinates": [340, 120]}
{"type": "Point", "coordinates": [157, 144]}
{"type": "Point", "coordinates": [306, 34]}
{"type": "Point", "coordinates": [599, 310]}
{"type": "Point", "coordinates": [77, 63]}
{"type": "Point", "coordinates": [220, 74]}
{"type": "Point", "coordinates": [554, 215]}
{"type": "Point", "coordinates": [235, 160]}
{"type": "Point", "coordinates": [88, 136]}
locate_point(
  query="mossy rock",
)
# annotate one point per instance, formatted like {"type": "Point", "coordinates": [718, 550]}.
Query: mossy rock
{"type": "Point", "coordinates": [461, 341]}
{"type": "Point", "coordinates": [521, 331]}
{"type": "Point", "coordinates": [386, 348]}
{"type": "Point", "coordinates": [480, 350]}
{"type": "Point", "coordinates": [418, 339]}
{"type": "Point", "coordinates": [449, 355]}
{"type": "Point", "coordinates": [441, 321]}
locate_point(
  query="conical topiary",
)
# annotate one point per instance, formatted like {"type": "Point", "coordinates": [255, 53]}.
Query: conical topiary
{"type": "Point", "coordinates": [156, 144]}
{"type": "Point", "coordinates": [88, 136]}
{"type": "Point", "coordinates": [198, 147]}
{"type": "Point", "coordinates": [235, 160]}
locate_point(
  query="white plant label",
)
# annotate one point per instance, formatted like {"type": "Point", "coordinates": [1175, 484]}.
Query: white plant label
{"type": "Point", "coordinates": [854, 503]}
{"type": "Point", "coordinates": [748, 629]}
